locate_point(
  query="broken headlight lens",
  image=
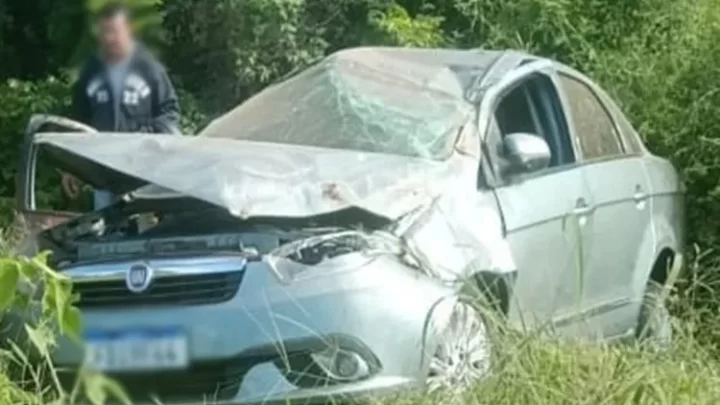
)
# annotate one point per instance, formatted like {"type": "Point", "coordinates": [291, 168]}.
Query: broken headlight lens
{"type": "Point", "coordinates": [330, 252]}
{"type": "Point", "coordinates": [316, 249]}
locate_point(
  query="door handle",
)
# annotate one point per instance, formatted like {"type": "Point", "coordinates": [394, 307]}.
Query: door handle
{"type": "Point", "coordinates": [582, 207]}
{"type": "Point", "coordinates": [639, 195]}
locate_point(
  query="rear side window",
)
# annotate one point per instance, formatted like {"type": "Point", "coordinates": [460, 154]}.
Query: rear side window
{"type": "Point", "coordinates": [593, 125]}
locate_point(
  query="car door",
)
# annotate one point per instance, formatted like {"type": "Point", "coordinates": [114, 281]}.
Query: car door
{"type": "Point", "coordinates": [538, 208]}
{"type": "Point", "coordinates": [621, 217]}
{"type": "Point", "coordinates": [39, 199]}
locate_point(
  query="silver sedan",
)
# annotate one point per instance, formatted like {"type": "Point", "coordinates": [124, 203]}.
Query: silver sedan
{"type": "Point", "coordinates": [354, 229]}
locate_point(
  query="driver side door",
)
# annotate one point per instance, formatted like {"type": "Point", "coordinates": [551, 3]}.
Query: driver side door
{"type": "Point", "coordinates": [545, 211]}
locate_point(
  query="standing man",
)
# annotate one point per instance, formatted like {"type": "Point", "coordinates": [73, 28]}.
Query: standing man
{"type": "Point", "coordinates": [122, 89]}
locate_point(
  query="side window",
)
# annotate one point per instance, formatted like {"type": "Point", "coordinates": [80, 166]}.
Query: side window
{"type": "Point", "coordinates": [532, 107]}
{"type": "Point", "coordinates": [593, 125]}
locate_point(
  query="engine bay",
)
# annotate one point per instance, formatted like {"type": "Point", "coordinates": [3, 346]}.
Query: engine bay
{"type": "Point", "coordinates": [148, 229]}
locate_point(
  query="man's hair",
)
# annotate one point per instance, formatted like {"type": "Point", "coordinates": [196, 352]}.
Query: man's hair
{"type": "Point", "coordinates": [114, 9]}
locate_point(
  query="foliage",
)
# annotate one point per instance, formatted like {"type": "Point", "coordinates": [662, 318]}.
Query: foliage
{"type": "Point", "coordinates": [20, 99]}
{"type": "Point", "coordinates": [38, 36]}
{"type": "Point", "coordinates": [393, 25]}
{"type": "Point", "coordinates": [253, 43]}
{"type": "Point", "coordinates": [43, 300]}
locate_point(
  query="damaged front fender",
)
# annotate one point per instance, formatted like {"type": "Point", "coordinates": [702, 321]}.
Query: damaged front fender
{"type": "Point", "coordinates": [457, 238]}
{"type": "Point", "coordinates": [435, 239]}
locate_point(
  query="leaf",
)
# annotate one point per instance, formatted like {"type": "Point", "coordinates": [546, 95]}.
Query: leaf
{"type": "Point", "coordinates": [9, 276]}
{"type": "Point", "coordinates": [39, 339]}
{"type": "Point", "coordinates": [73, 325]}
{"type": "Point", "coordinates": [94, 389]}
{"type": "Point", "coordinates": [29, 270]}
{"type": "Point", "coordinates": [115, 390]}
{"type": "Point", "coordinates": [40, 262]}
{"type": "Point", "coordinates": [99, 388]}
{"type": "Point", "coordinates": [56, 299]}
{"type": "Point", "coordinates": [42, 257]}
{"type": "Point", "coordinates": [22, 302]}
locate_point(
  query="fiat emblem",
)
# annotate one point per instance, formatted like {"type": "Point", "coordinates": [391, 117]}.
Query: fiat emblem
{"type": "Point", "coordinates": [138, 278]}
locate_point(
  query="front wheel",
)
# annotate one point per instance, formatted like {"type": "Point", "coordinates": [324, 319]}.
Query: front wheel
{"type": "Point", "coordinates": [464, 352]}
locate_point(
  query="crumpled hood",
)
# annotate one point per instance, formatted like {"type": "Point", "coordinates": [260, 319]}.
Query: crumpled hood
{"type": "Point", "coordinates": [253, 178]}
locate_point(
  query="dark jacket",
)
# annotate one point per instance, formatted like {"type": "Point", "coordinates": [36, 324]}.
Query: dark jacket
{"type": "Point", "coordinates": [148, 104]}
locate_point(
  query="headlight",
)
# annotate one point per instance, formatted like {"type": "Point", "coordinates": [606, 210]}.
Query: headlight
{"type": "Point", "coordinates": [323, 367]}
{"type": "Point", "coordinates": [341, 365]}
{"type": "Point", "coordinates": [327, 253]}
{"type": "Point", "coordinates": [289, 270]}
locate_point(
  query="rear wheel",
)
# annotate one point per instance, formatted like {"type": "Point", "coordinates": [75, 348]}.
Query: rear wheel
{"type": "Point", "coordinates": [654, 323]}
{"type": "Point", "coordinates": [464, 351]}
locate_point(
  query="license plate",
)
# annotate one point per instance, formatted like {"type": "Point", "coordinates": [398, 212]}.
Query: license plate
{"type": "Point", "coordinates": [136, 350]}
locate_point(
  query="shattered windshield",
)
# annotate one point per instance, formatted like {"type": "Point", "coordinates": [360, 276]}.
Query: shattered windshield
{"type": "Point", "coordinates": [347, 104]}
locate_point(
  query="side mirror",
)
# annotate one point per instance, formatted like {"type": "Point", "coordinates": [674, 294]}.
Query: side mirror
{"type": "Point", "coordinates": [526, 152]}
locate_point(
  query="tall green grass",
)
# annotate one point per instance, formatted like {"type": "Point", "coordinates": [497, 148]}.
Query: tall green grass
{"type": "Point", "coordinates": [540, 371]}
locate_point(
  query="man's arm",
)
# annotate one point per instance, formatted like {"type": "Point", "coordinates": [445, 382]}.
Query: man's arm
{"type": "Point", "coordinates": [166, 108]}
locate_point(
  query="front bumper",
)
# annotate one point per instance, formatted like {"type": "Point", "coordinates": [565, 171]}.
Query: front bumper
{"type": "Point", "coordinates": [354, 392]}
{"type": "Point", "coordinates": [380, 310]}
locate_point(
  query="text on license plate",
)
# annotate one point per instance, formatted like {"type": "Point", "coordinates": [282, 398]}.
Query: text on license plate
{"type": "Point", "coordinates": [136, 350]}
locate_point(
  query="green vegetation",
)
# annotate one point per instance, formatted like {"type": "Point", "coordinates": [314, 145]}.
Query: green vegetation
{"type": "Point", "coordinates": [660, 58]}
{"type": "Point", "coordinates": [44, 299]}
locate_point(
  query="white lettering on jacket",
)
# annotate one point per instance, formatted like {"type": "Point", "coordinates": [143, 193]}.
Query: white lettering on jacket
{"type": "Point", "coordinates": [137, 89]}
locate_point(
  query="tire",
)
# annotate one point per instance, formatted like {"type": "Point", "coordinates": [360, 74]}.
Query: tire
{"type": "Point", "coordinates": [654, 327]}
{"type": "Point", "coordinates": [464, 352]}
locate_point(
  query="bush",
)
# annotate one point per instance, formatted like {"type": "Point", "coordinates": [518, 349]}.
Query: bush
{"type": "Point", "coordinates": [28, 286]}
{"type": "Point", "coordinates": [249, 44]}
{"type": "Point", "coordinates": [37, 37]}
{"type": "Point", "coordinates": [19, 100]}
{"type": "Point", "coordinates": [224, 51]}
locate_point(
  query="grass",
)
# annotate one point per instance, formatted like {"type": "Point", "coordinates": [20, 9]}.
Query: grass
{"type": "Point", "coordinates": [554, 373]}
{"type": "Point", "coordinates": [544, 372]}
{"type": "Point", "coordinates": [541, 371]}
{"type": "Point", "coordinates": [551, 373]}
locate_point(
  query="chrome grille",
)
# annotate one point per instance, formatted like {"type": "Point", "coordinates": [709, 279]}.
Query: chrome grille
{"type": "Point", "coordinates": [188, 281]}
{"type": "Point", "coordinates": [174, 290]}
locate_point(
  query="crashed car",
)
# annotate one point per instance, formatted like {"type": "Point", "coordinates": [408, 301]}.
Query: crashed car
{"type": "Point", "coordinates": [354, 229]}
